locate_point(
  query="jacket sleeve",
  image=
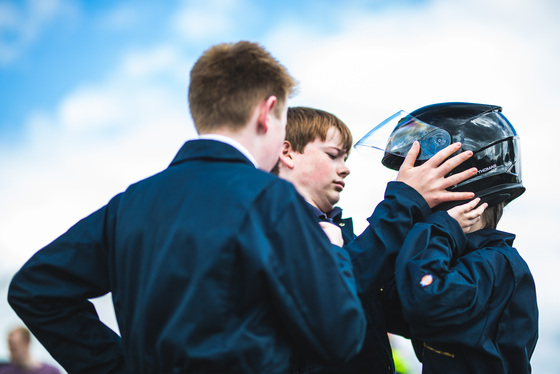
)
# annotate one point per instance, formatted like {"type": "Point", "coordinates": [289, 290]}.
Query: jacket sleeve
{"type": "Point", "coordinates": [441, 287]}
{"type": "Point", "coordinates": [373, 252]}
{"type": "Point", "coordinates": [50, 294]}
{"type": "Point", "coordinates": [310, 280]}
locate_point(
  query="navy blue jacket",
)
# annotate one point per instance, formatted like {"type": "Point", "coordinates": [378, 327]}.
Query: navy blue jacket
{"type": "Point", "coordinates": [214, 267]}
{"type": "Point", "coordinates": [471, 299]}
{"type": "Point", "coordinates": [373, 256]}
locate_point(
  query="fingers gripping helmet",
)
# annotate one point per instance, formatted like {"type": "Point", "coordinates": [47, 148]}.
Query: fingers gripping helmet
{"type": "Point", "coordinates": [481, 128]}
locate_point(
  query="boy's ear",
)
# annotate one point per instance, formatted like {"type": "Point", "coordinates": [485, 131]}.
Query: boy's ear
{"type": "Point", "coordinates": [265, 109]}
{"type": "Point", "coordinates": [286, 155]}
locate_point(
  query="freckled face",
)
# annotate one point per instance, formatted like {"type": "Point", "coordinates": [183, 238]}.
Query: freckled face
{"type": "Point", "coordinates": [320, 170]}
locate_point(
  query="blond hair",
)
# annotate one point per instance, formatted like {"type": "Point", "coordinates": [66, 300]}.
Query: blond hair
{"type": "Point", "coordinates": [306, 124]}
{"type": "Point", "coordinates": [228, 81]}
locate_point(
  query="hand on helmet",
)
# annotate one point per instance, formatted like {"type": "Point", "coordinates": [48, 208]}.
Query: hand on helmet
{"type": "Point", "coordinates": [429, 178]}
{"type": "Point", "coordinates": [468, 215]}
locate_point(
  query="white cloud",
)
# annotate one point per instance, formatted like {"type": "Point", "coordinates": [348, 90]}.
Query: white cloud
{"type": "Point", "coordinates": [91, 108]}
{"type": "Point", "coordinates": [204, 20]}
{"type": "Point", "coordinates": [164, 59]}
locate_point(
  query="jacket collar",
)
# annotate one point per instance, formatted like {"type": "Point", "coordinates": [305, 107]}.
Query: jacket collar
{"type": "Point", "coordinates": [234, 143]}
{"type": "Point", "coordinates": [334, 215]}
{"type": "Point", "coordinates": [209, 150]}
{"type": "Point", "coordinates": [489, 238]}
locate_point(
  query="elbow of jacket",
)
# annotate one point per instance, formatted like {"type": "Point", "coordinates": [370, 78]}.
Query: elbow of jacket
{"type": "Point", "coordinates": [421, 312]}
{"type": "Point", "coordinates": [16, 295]}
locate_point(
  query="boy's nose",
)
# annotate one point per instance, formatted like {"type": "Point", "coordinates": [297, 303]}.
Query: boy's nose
{"type": "Point", "coordinates": [344, 171]}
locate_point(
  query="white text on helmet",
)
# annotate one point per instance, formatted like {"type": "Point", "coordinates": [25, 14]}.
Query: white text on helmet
{"type": "Point", "coordinates": [488, 168]}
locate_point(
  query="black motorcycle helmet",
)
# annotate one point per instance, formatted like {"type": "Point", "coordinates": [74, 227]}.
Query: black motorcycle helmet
{"type": "Point", "coordinates": [481, 128]}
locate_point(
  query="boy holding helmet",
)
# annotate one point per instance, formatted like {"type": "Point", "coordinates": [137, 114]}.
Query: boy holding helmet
{"type": "Point", "coordinates": [469, 298]}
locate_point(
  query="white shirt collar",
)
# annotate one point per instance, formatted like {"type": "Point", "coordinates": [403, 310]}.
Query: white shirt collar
{"type": "Point", "coordinates": [234, 143]}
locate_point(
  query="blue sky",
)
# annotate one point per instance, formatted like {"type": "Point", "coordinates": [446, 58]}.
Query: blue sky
{"type": "Point", "coordinates": [93, 98]}
{"type": "Point", "coordinates": [48, 46]}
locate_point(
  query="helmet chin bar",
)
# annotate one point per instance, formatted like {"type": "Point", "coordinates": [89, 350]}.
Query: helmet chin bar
{"type": "Point", "coordinates": [492, 195]}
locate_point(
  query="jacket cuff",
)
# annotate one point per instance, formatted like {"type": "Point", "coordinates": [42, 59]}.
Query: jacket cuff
{"type": "Point", "coordinates": [409, 196]}
{"type": "Point", "coordinates": [448, 224]}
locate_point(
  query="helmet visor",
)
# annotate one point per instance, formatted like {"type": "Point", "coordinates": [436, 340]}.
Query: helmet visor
{"type": "Point", "coordinates": [397, 133]}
